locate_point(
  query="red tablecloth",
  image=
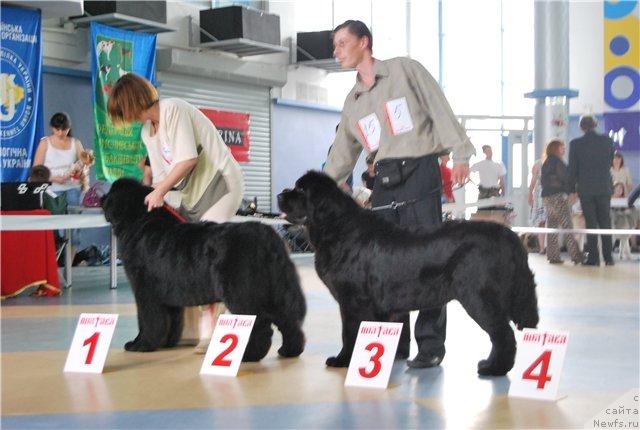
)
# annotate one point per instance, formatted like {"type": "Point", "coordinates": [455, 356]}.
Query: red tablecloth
{"type": "Point", "coordinates": [28, 259]}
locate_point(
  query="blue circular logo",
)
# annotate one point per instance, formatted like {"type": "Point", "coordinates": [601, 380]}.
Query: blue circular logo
{"type": "Point", "coordinates": [619, 45]}
{"type": "Point", "coordinates": [16, 90]}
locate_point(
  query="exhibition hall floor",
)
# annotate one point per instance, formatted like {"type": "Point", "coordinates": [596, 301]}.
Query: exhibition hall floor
{"type": "Point", "coordinates": [163, 390]}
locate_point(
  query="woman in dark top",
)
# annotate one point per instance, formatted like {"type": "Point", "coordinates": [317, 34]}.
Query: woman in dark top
{"type": "Point", "coordinates": [554, 178]}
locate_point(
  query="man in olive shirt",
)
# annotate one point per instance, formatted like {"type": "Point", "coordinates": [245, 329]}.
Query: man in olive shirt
{"type": "Point", "coordinates": [398, 109]}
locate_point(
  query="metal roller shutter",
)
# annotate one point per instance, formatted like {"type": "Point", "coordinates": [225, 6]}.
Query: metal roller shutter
{"type": "Point", "coordinates": [230, 96]}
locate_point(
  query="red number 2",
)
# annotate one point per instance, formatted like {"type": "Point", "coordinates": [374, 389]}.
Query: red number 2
{"type": "Point", "coordinates": [218, 361]}
{"type": "Point", "coordinates": [542, 377]}
{"type": "Point", "coordinates": [375, 359]}
{"type": "Point", "coordinates": [93, 340]}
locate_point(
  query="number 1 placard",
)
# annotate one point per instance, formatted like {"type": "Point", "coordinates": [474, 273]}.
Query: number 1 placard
{"type": "Point", "coordinates": [90, 343]}
{"type": "Point", "coordinates": [373, 354]}
{"type": "Point", "coordinates": [539, 360]}
{"type": "Point", "coordinates": [228, 342]}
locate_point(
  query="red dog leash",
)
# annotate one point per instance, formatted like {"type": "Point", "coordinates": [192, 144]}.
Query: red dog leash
{"type": "Point", "coordinates": [175, 213]}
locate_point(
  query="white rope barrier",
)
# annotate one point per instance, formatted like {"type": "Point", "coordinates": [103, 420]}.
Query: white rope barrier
{"type": "Point", "coordinates": [612, 231]}
{"type": "Point", "coordinates": [51, 222]}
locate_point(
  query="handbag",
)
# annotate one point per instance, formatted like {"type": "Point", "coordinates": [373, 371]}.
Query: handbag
{"type": "Point", "coordinates": [93, 196]}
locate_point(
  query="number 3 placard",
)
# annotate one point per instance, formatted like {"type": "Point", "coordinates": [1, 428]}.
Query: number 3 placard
{"type": "Point", "coordinates": [228, 342]}
{"type": "Point", "coordinates": [90, 343]}
{"type": "Point", "coordinates": [536, 373]}
{"type": "Point", "coordinates": [373, 354]}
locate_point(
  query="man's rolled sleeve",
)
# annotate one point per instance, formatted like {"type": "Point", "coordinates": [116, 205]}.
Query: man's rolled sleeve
{"type": "Point", "coordinates": [343, 155]}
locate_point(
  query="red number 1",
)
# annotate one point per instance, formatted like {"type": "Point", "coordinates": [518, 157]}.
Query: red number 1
{"type": "Point", "coordinates": [93, 340]}
{"type": "Point", "coordinates": [542, 377]}
{"type": "Point", "coordinates": [218, 361]}
{"type": "Point", "coordinates": [375, 359]}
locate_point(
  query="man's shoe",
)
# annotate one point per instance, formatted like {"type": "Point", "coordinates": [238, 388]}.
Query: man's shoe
{"type": "Point", "coordinates": [420, 362]}
{"type": "Point", "coordinates": [609, 263]}
{"type": "Point", "coordinates": [590, 263]}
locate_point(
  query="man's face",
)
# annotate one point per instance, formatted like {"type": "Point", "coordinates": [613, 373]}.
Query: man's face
{"type": "Point", "coordinates": [488, 152]}
{"type": "Point", "coordinates": [348, 49]}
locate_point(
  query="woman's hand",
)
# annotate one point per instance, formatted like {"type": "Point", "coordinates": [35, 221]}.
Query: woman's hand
{"type": "Point", "coordinates": [155, 199]}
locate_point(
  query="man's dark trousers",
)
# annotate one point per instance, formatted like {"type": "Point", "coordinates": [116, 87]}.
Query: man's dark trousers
{"type": "Point", "coordinates": [596, 209]}
{"type": "Point", "coordinates": [421, 194]}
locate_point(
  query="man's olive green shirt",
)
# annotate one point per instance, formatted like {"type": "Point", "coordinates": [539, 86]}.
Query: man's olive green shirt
{"type": "Point", "coordinates": [435, 127]}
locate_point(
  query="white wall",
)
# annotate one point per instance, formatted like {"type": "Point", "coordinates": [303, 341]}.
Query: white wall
{"type": "Point", "coordinates": [586, 74]}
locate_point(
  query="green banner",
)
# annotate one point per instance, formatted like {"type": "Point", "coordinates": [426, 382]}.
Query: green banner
{"type": "Point", "coordinates": [117, 149]}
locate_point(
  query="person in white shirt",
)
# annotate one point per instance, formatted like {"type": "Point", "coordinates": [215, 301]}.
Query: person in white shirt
{"type": "Point", "coordinates": [491, 175]}
{"type": "Point", "coordinates": [186, 153]}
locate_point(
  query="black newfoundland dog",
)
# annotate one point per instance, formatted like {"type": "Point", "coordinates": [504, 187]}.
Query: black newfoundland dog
{"type": "Point", "coordinates": [171, 264]}
{"type": "Point", "coordinates": [374, 268]}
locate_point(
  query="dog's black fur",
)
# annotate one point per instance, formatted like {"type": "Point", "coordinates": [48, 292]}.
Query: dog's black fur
{"type": "Point", "coordinates": [171, 265]}
{"type": "Point", "coordinates": [374, 268]}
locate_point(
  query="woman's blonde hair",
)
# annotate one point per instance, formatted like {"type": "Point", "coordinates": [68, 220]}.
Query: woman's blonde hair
{"type": "Point", "coordinates": [129, 97]}
{"type": "Point", "coordinates": [553, 146]}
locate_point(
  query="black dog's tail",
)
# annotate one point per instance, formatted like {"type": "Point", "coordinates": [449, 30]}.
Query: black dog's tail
{"type": "Point", "coordinates": [524, 303]}
{"type": "Point", "coordinates": [283, 275]}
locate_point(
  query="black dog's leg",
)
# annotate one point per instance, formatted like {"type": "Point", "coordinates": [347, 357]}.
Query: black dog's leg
{"type": "Point", "coordinates": [351, 316]}
{"type": "Point", "coordinates": [153, 324]}
{"type": "Point", "coordinates": [175, 326]}
{"type": "Point", "coordinates": [259, 341]}
{"type": "Point", "coordinates": [489, 316]}
{"type": "Point", "coordinates": [293, 340]}
{"type": "Point", "coordinates": [405, 336]}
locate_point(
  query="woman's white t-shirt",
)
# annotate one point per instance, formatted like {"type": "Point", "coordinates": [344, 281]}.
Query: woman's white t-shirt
{"type": "Point", "coordinates": [185, 133]}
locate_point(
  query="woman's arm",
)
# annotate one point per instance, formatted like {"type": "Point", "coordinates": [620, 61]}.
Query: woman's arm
{"type": "Point", "coordinates": [155, 199]}
{"type": "Point", "coordinates": [40, 152]}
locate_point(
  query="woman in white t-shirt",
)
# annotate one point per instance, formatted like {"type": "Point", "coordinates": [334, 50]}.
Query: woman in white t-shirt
{"type": "Point", "coordinates": [186, 152]}
{"type": "Point", "coordinates": [60, 152]}
{"type": "Point", "coordinates": [621, 174]}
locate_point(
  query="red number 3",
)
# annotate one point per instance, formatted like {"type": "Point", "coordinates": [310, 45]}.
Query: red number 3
{"type": "Point", "coordinates": [542, 377]}
{"type": "Point", "coordinates": [375, 359]}
{"type": "Point", "coordinates": [219, 360]}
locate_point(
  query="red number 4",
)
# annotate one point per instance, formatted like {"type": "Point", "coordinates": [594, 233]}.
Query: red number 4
{"type": "Point", "coordinates": [541, 377]}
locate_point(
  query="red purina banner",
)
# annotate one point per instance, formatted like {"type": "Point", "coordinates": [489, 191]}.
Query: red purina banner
{"type": "Point", "coordinates": [234, 129]}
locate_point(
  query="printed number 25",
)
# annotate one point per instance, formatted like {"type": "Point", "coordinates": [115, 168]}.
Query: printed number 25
{"type": "Point", "coordinates": [375, 359]}
{"type": "Point", "coordinates": [542, 378]}
{"type": "Point", "coordinates": [219, 360]}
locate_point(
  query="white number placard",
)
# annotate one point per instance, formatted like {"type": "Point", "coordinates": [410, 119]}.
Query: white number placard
{"type": "Point", "coordinates": [90, 344]}
{"type": "Point", "coordinates": [536, 373]}
{"type": "Point", "coordinates": [373, 354]}
{"type": "Point", "coordinates": [370, 128]}
{"type": "Point", "coordinates": [228, 342]}
{"type": "Point", "coordinates": [399, 116]}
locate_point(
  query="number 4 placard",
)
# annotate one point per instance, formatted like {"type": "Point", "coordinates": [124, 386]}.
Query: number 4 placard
{"type": "Point", "coordinates": [228, 342]}
{"type": "Point", "coordinates": [90, 343]}
{"type": "Point", "coordinates": [373, 354]}
{"type": "Point", "coordinates": [536, 373]}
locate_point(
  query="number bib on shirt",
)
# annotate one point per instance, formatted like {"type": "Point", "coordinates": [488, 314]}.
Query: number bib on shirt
{"type": "Point", "coordinates": [399, 116]}
{"type": "Point", "coordinates": [370, 128]}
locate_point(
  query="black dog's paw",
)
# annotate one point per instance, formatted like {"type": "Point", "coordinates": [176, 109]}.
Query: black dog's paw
{"type": "Point", "coordinates": [337, 361]}
{"type": "Point", "coordinates": [289, 352]}
{"type": "Point", "coordinates": [402, 355]}
{"type": "Point", "coordinates": [138, 346]}
{"type": "Point", "coordinates": [487, 368]}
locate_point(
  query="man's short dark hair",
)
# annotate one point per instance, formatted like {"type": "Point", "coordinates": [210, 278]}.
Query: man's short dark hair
{"type": "Point", "coordinates": [358, 29]}
{"type": "Point", "coordinates": [39, 173]}
{"type": "Point", "coordinates": [588, 123]}
{"type": "Point", "coordinates": [485, 147]}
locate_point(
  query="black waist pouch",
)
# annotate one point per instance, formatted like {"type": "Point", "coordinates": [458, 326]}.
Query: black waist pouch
{"type": "Point", "coordinates": [392, 172]}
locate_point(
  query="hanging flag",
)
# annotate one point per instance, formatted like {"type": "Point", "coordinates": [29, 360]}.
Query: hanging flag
{"type": "Point", "coordinates": [115, 53]}
{"type": "Point", "coordinates": [234, 130]}
{"type": "Point", "coordinates": [21, 124]}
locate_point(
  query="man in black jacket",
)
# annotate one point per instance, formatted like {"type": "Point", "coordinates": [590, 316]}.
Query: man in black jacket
{"type": "Point", "coordinates": [590, 158]}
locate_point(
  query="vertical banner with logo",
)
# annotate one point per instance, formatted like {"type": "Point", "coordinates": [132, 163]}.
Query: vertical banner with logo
{"type": "Point", "coordinates": [115, 53]}
{"type": "Point", "coordinates": [234, 129]}
{"type": "Point", "coordinates": [21, 91]}
{"type": "Point", "coordinates": [622, 73]}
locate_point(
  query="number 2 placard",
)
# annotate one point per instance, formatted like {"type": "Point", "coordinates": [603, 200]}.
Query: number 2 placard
{"type": "Point", "coordinates": [90, 343]}
{"type": "Point", "coordinates": [228, 342]}
{"type": "Point", "coordinates": [373, 354]}
{"type": "Point", "coordinates": [536, 373]}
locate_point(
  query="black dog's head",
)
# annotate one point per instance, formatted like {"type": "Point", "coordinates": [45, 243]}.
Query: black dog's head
{"type": "Point", "coordinates": [315, 198]}
{"type": "Point", "coordinates": [124, 203]}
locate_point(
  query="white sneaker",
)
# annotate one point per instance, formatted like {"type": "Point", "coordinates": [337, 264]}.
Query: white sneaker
{"type": "Point", "coordinates": [202, 346]}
